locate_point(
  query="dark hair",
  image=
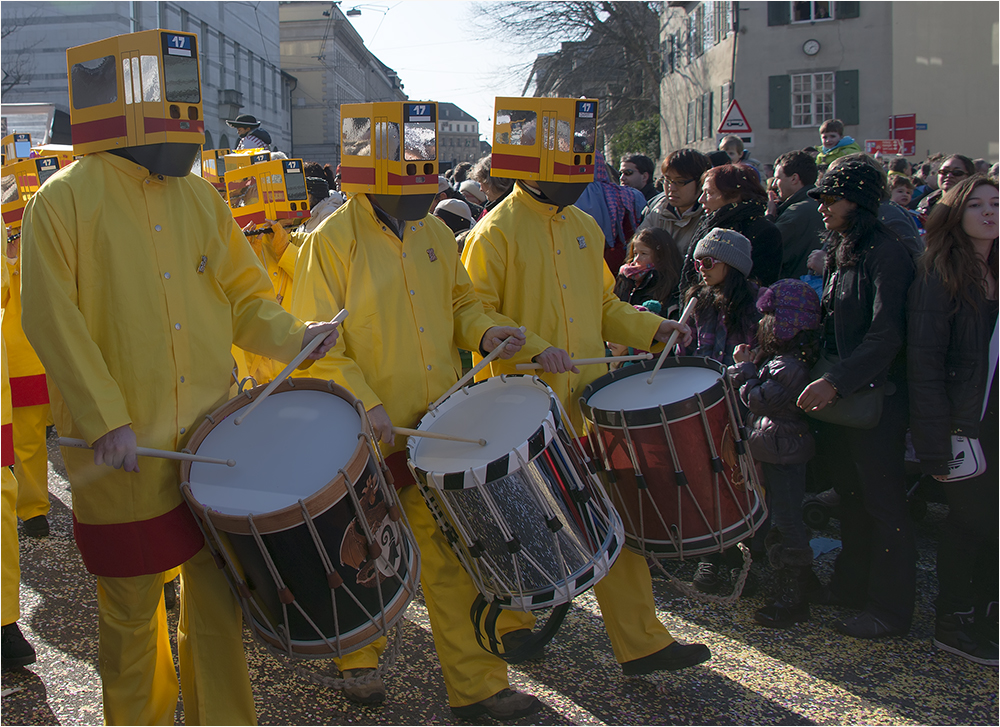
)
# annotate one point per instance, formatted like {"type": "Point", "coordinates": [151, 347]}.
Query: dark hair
{"type": "Point", "coordinates": [900, 180]}
{"type": "Point", "coordinates": [737, 180]}
{"type": "Point", "coordinates": [899, 164]}
{"type": "Point", "coordinates": [799, 162]}
{"type": "Point", "coordinates": [690, 163]}
{"type": "Point", "coordinates": [948, 250]}
{"type": "Point", "coordinates": [843, 248]}
{"type": "Point", "coordinates": [461, 172]}
{"type": "Point", "coordinates": [667, 263]}
{"type": "Point", "coordinates": [804, 345]}
{"type": "Point", "coordinates": [735, 299]}
{"type": "Point", "coordinates": [811, 151]}
{"type": "Point", "coordinates": [642, 162]}
{"type": "Point", "coordinates": [970, 166]}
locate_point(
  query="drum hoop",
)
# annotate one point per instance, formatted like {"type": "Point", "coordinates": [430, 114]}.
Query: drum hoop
{"type": "Point", "coordinates": [287, 517]}
{"type": "Point", "coordinates": [505, 465]}
{"type": "Point", "coordinates": [674, 411]}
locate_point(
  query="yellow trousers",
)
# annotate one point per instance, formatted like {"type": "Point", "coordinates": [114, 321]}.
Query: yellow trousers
{"type": "Point", "coordinates": [137, 670]}
{"type": "Point", "coordinates": [10, 589]}
{"type": "Point", "coordinates": [31, 460]}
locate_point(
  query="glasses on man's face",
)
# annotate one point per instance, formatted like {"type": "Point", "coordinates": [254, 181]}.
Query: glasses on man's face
{"type": "Point", "coordinates": [828, 200]}
{"type": "Point", "coordinates": [706, 263]}
{"type": "Point", "coordinates": [668, 182]}
{"type": "Point", "coordinates": [628, 172]}
{"type": "Point", "coordinates": [957, 173]}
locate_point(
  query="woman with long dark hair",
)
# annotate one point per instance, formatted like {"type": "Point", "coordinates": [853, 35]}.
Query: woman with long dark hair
{"type": "Point", "coordinates": [868, 273]}
{"type": "Point", "coordinates": [952, 319]}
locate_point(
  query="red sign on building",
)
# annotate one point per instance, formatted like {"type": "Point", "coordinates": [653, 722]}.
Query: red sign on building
{"type": "Point", "coordinates": [904, 127]}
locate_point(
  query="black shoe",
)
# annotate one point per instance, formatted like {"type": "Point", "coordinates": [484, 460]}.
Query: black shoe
{"type": "Point", "coordinates": [36, 527]}
{"type": "Point", "coordinates": [676, 656]}
{"type": "Point", "coordinates": [14, 648]}
{"type": "Point", "coordinates": [707, 579]}
{"type": "Point", "coordinates": [954, 633]}
{"type": "Point", "coordinates": [867, 626]}
{"type": "Point", "coordinates": [828, 596]}
{"type": "Point", "coordinates": [503, 706]}
{"type": "Point", "coordinates": [780, 615]}
{"type": "Point", "coordinates": [513, 640]}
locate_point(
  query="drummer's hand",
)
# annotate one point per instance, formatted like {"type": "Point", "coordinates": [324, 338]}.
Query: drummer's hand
{"type": "Point", "coordinates": [381, 425]}
{"type": "Point", "coordinates": [555, 361]}
{"type": "Point", "coordinates": [117, 449]}
{"type": "Point", "coordinates": [742, 353]}
{"type": "Point", "coordinates": [817, 395]}
{"type": "Point", "coordinates": [328, 329]}
{"type": "Point", "coordinates": [667, 327]}
{"type": "Point", "coordinates": [497, 334]}
{"type": "Point", "coordinates": [250, 226]}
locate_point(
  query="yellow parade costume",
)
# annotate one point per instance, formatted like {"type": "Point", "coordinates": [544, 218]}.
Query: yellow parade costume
{"type": "Point", "coordinates": [30, 401]}
{"type": "Point", "coordinates": [536, 265]}
{"type": "Point", "coordinates": [135, 287]}
{"type": "Point", "coordinates": [10, 587]}
{"type": "Point", "coordinates": [411, 306]}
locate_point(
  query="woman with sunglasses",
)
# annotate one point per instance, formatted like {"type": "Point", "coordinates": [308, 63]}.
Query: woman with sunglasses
{"type": "Point", "coordinates": [952, 318]}
{"type": "Point", "coordinates": [953, 170]}
{"type": "Point", "coordinates": [868, 273]}
{"type": "Point", "coordinates": [677, 209]}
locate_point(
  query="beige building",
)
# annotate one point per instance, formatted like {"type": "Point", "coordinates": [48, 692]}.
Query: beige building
{"type": "Point", "coordinates": [458, 135]}
{"type": "Point", "coordinates": [331, 66]}
{"type": "Point", "coordinates": [793, 65]}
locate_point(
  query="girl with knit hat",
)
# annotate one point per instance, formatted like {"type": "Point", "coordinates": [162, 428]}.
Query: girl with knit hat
{"type": "Point", "coordinates": [770, 381]}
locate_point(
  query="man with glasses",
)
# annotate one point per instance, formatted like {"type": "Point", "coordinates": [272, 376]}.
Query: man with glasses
{"type": "Point", "coordinates": [676, 209]}
{"type": "Point", "coordinates": [637, 172]}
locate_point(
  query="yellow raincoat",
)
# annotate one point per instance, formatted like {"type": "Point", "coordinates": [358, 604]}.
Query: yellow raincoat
{"type": "Point", "coordinates": [9, 553]}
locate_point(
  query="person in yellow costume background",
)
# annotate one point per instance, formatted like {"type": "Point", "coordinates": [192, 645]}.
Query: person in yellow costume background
{"type": "Point", "coordinates": [537, 261]}
{"type": "Point", "coordinates": [396, 269]}
{"type": "Point", "coordinates": [136, 282]}
{"type": "Point", "coordinates": [30, 400]}
{"type": "Point", "coordinates": [14, 648]}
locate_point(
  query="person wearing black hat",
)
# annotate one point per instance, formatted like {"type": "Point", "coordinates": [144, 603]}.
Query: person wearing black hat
{"type": "Point", "coordinates": [251, 135]}
{"type": "Point", "coordinates": [868, 273]}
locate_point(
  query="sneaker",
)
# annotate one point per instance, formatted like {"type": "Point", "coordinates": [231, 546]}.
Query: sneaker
{"type": "Point", "coordinates": [36, 527]}
{"type": "Point", "coordinates": [14, 648]}
{"type": "Point", "coordinates": [956, 635]}
{"type": "Point", "coordinates": [371, 691]}
{"type": "Point", "coordinates": [503, 706]}
{"type": "Point", "coordinates": [707, 579]}
{"type": "Point", "coordinates": [676, 656]}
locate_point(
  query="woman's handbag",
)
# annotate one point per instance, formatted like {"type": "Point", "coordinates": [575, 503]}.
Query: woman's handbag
{"type": "Point", "coordinates": [967, 460]}
{"type": "Point", "coordinates": [860, 410]}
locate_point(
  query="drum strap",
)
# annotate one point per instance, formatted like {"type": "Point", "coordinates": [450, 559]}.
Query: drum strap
{"type": "Point", "coordinates": [538, 639]}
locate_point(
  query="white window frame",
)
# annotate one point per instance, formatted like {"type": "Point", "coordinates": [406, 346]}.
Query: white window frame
{"type": "Point", "coordinates": [812, 11]}
{"type": "Point", "coordinates": [813, 99]}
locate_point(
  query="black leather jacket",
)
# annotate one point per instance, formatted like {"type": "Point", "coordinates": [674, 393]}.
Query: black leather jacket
{"type": "Point", "coordinates": [869, 313]}
{"type": "Point", "coordinates": [947, 366]}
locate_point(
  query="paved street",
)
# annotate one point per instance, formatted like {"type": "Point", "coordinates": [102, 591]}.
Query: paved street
{"type": "Point", "coordinates": [809, 674]}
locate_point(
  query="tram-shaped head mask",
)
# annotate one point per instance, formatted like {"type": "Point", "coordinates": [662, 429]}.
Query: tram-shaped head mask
{"type": "Point", "coordinates": [389, 151]}
{"type": "Point", "coordinates": [139, 92]}
{"type": "Point", "coordinates": [550, 141]}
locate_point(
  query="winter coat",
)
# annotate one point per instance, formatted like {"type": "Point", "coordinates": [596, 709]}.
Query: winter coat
{"type": "Point", "coordinates": [899, 220]}
{"type": "Point", "coordinates": [712, 337]}
{"type": "Point", "coordinates": [779, 431]}
{"type": "Point", "coordinates": [947, 367]}
{"type": "Point", "coordinates": [681, 225]}
{"type": "Point", "coordinates": [639, 292]}
{"type": "Point", "coordinates": [802, 229]}
{"type": "Point", "coordinates": [747, 218]}
{"type": "Point", "coordinates": [845, 146]}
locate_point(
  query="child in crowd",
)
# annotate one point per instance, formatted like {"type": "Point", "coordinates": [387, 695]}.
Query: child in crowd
{"type": "Point", "coordinates": [780, 436]}
{"type": "Point", "coordinates": [651, 272]}
{"type": "Point", "coordinates": [835, 144]}
{"type": "Point", "coordinates": [901, 193]}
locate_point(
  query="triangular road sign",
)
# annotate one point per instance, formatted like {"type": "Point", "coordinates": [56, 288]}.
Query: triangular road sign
{"type": "Point", "coordinates": [734, 122]}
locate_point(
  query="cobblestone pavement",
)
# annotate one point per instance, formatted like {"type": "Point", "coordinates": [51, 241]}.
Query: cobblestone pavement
{"type": "Point", "coordinates": [808, 674]}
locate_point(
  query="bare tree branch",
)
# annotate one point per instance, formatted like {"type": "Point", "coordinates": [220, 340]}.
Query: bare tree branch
{"type": "Point", "coordinates": [18, 61]}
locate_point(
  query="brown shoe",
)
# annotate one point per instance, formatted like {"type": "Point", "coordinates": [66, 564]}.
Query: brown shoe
{"type": "Point", "coordinates": [366, 690]}
{"type": "Point", "coordinates": [503, 706]}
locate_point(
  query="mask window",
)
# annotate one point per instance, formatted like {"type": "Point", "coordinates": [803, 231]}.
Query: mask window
{"type": "Point", "coordinates": [22, 149]}
{"type": "Point", "coordinates": [357, 135]}
{"type": "Point", "coordinates": [295, 181]}
{"type": "Point", "coordinates": [95, 82]}
{"type": "Point", "coordinates": [180, 79]}
{"type": "Point", "coordinates": [520, 127]}
{"type": "Point", "coordinates": [387, 141]}
{"type": "Point", "coordinates": [150, 79]}
{"type": "Point", "coordinates": [8, 184]}
{"type": "Point", "coordinates": [243, 193]}
{"type": "Point", "coordinates": [46, 169]}
{"type": "Point", "coordinates": [420, 142]}
{"type": "Point", "coordinates": [585, 136]}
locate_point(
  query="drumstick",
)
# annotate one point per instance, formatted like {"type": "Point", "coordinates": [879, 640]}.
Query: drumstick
{"type": "Point", "coordinates": [478, 367]}
{"type": "Point", "coordinates": [309, 348]}
{"type": "Point", "coordinates": [688, 310]}
{"type": "Point", "coordinates": [588, 361]}
{"type": "Point", "coordinates": [435, 435]}
{"type": "Point", "coordinates": [147, 452]}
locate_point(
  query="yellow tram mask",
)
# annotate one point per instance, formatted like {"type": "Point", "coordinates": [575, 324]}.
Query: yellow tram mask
{"type": "Point", "coordinates": [549, 141]}
{"type": "Point", "coordinates": [15, 147]}
{"type": "Point", "coordinates": [269, 189]}
{"type": "Point", "coordinates": [18, 182]}
{"type": "Point", "coordinates": [138, 95]}
{"type": "Point", "coordinates": [389, 152]}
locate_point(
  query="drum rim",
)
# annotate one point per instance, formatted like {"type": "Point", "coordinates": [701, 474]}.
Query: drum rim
{"type": "Point", "coordinates": [287, 517]}
{"type": "Point", "coordinates": [674, 411]}
{"type": "Point", "coordinates": [503, 466]}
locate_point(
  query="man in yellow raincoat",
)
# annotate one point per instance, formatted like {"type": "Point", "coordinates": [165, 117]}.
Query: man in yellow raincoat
{"type": "Point", "coordinates": [537, 261]}
{"type": "Point", "coordinates": [396, 269]}
{"type": "Point", "coordinates": [136, 283]}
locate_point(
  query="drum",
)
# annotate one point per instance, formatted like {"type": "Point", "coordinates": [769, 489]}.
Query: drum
{"type": "Point", "coordinates": [674, 457]}
{"type": "Point", "coordinates": [529, 521]}
{"type": "Point", "coordinates": [311, 537]}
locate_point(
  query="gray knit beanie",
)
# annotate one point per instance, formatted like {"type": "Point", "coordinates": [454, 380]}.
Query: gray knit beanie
{"type": "Point", "coordinates": [726, 246]}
